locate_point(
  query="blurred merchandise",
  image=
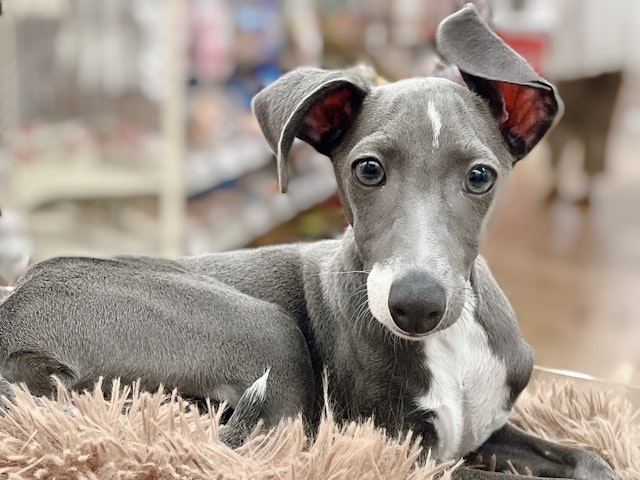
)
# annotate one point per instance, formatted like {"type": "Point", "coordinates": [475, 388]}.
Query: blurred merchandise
{"type": "Point", "coordinates": [394, 36]}
{"type": "Point", "coordinates": [251, 206]}
{"type": "Point", "coordinates": [211, 42]}
{"type": "Point", "coordinates": [87, 153]}
{"type": "Point", "coordinates": [125, 125]}
{"type": "Point", "coordinates": [589, 39]}
{"type": "Point", "coordinates": [325, 220]}
{"type": "Point", "coordinates": [527, 26]}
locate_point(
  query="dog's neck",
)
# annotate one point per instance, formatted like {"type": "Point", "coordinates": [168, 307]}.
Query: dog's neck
{"type": "Point", "coordinates": [375, 372]}
{"type": "Point", "coordinates": [353, 347]}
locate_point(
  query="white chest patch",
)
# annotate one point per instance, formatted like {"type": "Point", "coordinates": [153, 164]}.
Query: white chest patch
{"type": "Point", "coordinates": [468, 390]}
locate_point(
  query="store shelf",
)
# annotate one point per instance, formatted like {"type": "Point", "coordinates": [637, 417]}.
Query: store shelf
{"type": "Point", "coordinates": [103, 172]}
{"type": "Point", "coordinates": [66, 229]}
{"type": "Point", "coordinates": [207, 169]}
{"type": "Point", "coordinates": [38, 183]}
{"type": "Point", "coordinates": [33, 186]}
{"type": "Point", "coordinates": [259, 217]}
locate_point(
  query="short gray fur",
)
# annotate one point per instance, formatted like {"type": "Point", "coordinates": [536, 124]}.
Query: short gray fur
{"type": "Point", "coordinates": [212, 325]}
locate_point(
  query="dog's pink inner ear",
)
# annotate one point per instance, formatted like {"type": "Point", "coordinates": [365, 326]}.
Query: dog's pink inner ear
{"type": "Point", "coordinates": [329, 119]}
{"type": "Point", "coordinates": [527, 114]}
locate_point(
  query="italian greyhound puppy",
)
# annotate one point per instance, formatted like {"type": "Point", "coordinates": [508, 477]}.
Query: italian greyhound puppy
{"type": "Point", "coordinates": [401, 312]}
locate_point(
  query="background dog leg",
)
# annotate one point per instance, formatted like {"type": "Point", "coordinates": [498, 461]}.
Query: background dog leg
{"type": "Point", "coordinates": [543, 458]}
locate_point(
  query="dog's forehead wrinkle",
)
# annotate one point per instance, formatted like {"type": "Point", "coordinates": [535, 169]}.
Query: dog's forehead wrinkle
{"type": "Point", "coordinates": [415, 93]}
{"type": "Point", "coordinates": [434, 139]}
{"type": "Point", "coordinates": [473, 148]}
{"type": "Point", "coordinates": [428, 116]}
{"type": "Point", "coordinates": [378, 142]}
{"type": "Point", "coordinates": [416, 84]}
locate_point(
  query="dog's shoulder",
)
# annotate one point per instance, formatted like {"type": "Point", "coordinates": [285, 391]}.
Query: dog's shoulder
{"type": "Point", "coordinates": [497, 317]}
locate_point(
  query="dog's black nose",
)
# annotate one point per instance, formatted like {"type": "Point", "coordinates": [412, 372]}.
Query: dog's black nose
{"type": "Point", "coordinates": [417, 303]}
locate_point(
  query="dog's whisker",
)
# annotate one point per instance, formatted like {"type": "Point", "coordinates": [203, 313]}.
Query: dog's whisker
{"type": "Point", "coordinates": [349, 271]}
{"type": "Point", "coordinates": [359, 291]}
{"type": "Point", "coordinates": [361, 315]}
{"type": "Point", "coordinates": [346, 272]}
{"type": "Point", "coordinates": [360, 309]}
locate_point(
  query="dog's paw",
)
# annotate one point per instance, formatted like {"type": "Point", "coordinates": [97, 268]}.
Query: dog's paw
{"type": "Point", "coordinates": [591, 466]}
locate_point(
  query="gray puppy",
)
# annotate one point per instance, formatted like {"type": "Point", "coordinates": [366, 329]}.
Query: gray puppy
{"type": "Point", "coordinates": [401, 312]}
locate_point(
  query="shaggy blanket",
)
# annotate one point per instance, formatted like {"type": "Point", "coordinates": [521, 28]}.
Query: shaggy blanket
{"type": "Point", "coordinates": [138, 435]}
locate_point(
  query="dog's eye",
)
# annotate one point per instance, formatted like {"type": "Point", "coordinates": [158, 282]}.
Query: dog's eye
{"type": "Point", "coordinates": [480, 179]}
{"type": "Point", "coordinates": [369, 172]}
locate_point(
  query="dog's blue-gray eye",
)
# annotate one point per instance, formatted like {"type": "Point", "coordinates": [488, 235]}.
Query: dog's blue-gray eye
{"type": "Point", "coordinates": [480, 179]}
{"type": "Point", "coordinates": [369, 172]}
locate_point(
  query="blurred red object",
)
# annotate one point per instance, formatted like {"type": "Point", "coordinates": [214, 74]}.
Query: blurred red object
{"type": "Point", "coordinates": [533, 46]}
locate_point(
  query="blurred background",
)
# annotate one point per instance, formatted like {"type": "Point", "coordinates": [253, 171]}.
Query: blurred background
{"type": "Point", "coordinates": [125, 127]}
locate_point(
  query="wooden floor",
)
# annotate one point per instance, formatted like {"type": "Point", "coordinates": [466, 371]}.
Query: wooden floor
{"type": "Point", "coordinates": [573, 274]}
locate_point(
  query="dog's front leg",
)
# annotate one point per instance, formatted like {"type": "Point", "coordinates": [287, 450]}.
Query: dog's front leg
{"type": "Point", "coordinates": [268, 404]}
{"type": "Point", "coordinates": [465, 473]}
{"type": "Point", "coordinates": [541, 457]}
{"type": "Point", "coordinates": [284, 391]}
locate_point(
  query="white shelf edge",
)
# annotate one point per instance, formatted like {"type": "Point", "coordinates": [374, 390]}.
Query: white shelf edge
{"type": "Point", "coordinates": [32, 186]}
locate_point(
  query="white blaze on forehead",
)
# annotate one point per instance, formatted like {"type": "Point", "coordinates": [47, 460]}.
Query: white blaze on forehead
{"type": "Point", "coordinates": [436, 123]}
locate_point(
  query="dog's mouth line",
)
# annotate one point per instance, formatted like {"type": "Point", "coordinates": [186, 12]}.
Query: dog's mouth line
{"type": "Point", "coordinates": [395, 330]}
{"type": "Point", "coordinates": [413, 337]}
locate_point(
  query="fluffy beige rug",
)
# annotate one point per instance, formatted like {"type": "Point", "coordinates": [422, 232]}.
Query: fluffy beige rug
{"type": "Point", "coordinates": [162, 437]}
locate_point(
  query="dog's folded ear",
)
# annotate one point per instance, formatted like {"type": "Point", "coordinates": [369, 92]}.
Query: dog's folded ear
{"type": "Point", "coordinates": [315, 105]}
{"type": "Point", "coordinates": [524, 104]}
